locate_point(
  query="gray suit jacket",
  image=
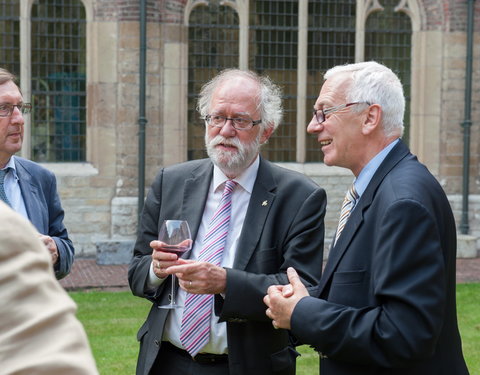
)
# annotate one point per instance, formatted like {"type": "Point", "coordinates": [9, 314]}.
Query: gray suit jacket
{"type": "Point", "coordinates": [387, 297]}
{"type": "Point", "coordinates": [286, 231]}
{"type": "Point", "coordinates": [44, 210]}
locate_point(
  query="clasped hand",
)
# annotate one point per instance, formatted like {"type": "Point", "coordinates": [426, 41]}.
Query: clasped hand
{"type": "Point", "coordinates": [50, 244]}
{"type": "Point", "coordinates": [282, 299]}
{"type": "Point", "coordinates": [193, 276]}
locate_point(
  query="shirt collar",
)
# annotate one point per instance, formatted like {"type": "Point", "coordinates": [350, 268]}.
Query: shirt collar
{"type": "Point", "coordinates": [365, 176]}
{"type": "Point", "coordinates": [246, 180]}
{"type": "Point", "coordinates": [11, 165]}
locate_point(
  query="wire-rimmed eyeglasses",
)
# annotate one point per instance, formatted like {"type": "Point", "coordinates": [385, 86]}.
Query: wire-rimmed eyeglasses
{"type": "Point", "coordinates": [7, 109]}
{"type": "Point", "coordinates": [239, 123]}
{"type": "Point", "coordinates": [320, 114]}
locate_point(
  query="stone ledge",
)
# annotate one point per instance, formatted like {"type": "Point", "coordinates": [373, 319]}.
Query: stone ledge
{"type": "Point", "coordinates": [466, 246]}
{"type": "Point", "coordinates": [114, 252]}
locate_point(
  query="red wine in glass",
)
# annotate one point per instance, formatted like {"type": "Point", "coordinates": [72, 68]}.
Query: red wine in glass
{"type": "Point", "coordinates": [175, 234]}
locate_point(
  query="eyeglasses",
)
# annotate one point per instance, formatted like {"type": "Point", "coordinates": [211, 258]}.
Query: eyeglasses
{"type": "Point", "coordinates": [239, 123]}
{"type": "Point", "coordinates": [321, 113]}
{"type": "Point", "coordinates": [7, 109]}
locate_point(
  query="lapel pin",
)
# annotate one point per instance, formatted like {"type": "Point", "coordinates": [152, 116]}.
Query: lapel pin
{"type": "Point", "coordinates": [264, 203]}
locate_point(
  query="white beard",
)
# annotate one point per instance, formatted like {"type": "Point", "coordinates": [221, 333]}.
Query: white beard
{"type": "Point", "coordinates": [232, 163]}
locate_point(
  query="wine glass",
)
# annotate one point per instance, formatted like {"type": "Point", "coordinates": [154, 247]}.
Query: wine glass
{"type": "Point", "coordinates": [175, 234]}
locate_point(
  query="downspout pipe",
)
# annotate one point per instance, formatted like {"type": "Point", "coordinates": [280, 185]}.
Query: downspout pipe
{"type": "Point", "coordinates": [142, 120]}
{"type": "Point", "coordinates": [467, 122]}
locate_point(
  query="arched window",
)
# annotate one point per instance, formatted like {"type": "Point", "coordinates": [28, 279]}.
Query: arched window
{"type": "Point", "coordinates": [58, 45]}
{"type": "Point", "coordinates": [212, 46]}
{"type": "Point", "coordinates": [273, 51]}
{"type": "Point", "coordinates": [388, 40]}
{"type": "Point", "coordinates": [10, 36]}
{"type": "Point", "coordinates": [295, 42]}
{"type": "Point", "coordinates": [331, 41]}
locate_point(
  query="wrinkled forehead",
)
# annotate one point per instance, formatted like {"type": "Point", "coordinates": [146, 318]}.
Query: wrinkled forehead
{"type": "Point", "coordinates": [335, 89]}
{"type": "Point", "coordinates": [238, 92]}
{"type": "Point", "coordinates": [9, 91]}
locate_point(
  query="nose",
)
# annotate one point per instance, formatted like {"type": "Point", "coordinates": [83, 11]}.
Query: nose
{"type": "Point", "coordinates": [17, 116]}
{"type": "Point", "coordinates": [313, 126]}
{"type": "Point", "coordinates": [227, 129]}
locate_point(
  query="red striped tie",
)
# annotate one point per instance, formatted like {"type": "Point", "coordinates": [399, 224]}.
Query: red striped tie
{"type": "Point", "coordinates": [195, 328]}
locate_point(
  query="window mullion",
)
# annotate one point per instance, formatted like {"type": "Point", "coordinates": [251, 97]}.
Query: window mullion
{"type": "Point", "coordinates": [302, 80]}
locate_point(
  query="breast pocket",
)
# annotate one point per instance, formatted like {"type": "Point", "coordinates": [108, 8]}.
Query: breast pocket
{"type": "Point", "coordinates": [349, 288]}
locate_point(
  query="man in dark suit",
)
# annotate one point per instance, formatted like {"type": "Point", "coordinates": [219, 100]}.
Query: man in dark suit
{"type": "Point", "coordinates": [276, 222]}
{"type": "Point", "coordinates": [386, 301]}
{"type": "Point", "coordinates": [27, 187]}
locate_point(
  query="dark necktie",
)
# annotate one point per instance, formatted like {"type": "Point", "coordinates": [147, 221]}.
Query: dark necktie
{"type": "Point", "coordinates": [3, 196]}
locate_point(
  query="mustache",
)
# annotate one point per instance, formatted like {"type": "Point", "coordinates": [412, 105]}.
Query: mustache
{"type": "Point", "coordinates": [219, 139]}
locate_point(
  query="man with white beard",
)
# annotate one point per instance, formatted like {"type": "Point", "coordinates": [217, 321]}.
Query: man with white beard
{"type": "Point", "coordinates": [273, 220]}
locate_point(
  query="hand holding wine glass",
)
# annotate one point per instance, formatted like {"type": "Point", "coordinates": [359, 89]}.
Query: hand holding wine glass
{"type": "Point", "coordinates": [175, 238]}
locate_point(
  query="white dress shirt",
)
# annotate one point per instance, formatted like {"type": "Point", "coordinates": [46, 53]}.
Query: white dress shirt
{"type": "Point", "coordinates": [12, 189]}
{"type": "Point", "coordinates": [240, 200]}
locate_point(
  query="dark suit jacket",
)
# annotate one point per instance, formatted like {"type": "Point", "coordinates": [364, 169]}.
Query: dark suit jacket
{"type": "Point", "coordinates": [387, 297]}
{"type": "Point", "coordinates": [286, 231]}
{"type": "Point", "coordinates": [39, 192]}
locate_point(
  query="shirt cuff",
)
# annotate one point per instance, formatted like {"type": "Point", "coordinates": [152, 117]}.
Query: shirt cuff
{"type": "Point", "coordinates": [153, 280]}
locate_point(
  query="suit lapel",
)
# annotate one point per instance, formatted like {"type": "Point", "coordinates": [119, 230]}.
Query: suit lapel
{"type": "Point", "coordinates": [195, 196]}
{"type": "Point", "coordinates": [30, 195]}
{"type": "Point", "coordinates": [260, 202]}
{"type": "Point", "coordinates": [355, 220]}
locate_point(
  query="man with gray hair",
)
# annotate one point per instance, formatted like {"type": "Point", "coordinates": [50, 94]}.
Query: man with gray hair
{"type": "Point", "coordinates": [27, 187]}
{"type": "Point", "coordinates": [275, 222]}
{"type": "Point", "coordinates": [386, 301]}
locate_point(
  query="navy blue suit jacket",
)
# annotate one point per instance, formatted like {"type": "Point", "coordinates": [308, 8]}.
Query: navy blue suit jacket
{"type": "Point", "coordinates": [39, 191]}
{"type": "Point", "coordinates": [386, 301]}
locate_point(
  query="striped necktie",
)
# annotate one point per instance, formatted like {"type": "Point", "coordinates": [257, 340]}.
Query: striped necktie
{"type": "Point", "coordinates": [3, 196]}
{"type": "Point", "coordinates": [347, 207]}
{"type": "Point", "coordinates": [195, 328]}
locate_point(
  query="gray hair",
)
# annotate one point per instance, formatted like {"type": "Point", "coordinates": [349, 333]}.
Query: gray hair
{"type": "Point", "coordinates": [269, 96]}
{"type": "Point", "coordinates": [375, 83]}
{"type": "Point", "coordinates": [6, 76]}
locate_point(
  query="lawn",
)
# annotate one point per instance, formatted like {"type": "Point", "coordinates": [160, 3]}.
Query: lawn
{"type": "Point", "coordinates": [112, 319]}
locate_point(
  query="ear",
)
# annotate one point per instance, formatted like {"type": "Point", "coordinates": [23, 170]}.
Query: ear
{"type": "Point", "coordinates": [266, 134]}
{"type": "Point", "coordinates": [372, 119]}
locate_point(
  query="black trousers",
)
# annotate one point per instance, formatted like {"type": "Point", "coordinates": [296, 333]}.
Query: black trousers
{"type": "Point", "coordinates": [174, 361]}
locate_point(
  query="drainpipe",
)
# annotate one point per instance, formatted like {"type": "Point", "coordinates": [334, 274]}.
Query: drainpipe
{"type": "Point", "coordinates": [467, 122]}
{"type": "Point", "coordinates": [142, 120]}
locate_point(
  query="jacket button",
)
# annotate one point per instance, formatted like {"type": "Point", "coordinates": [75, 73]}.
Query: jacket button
{"type": "Point", "coordinates": [157, 344]}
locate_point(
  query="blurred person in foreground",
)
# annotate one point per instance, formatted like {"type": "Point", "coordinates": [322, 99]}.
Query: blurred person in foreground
{"type": "Point", "coordinates": [386, 303]}
{"type": "Point", "coordinates": [276, 222]}
{"type": "Point", "coordinates": [39, 333]}
{"type": "Point", "coordinates": [27, 187]}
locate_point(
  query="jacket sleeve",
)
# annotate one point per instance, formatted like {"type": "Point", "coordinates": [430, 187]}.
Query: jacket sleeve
{"type": "Point", "coordinates": [300, 247]}
{"type": "Point", "coordinates": [57, 230]}
{"type": "Point", "coordinates": [407, 282]}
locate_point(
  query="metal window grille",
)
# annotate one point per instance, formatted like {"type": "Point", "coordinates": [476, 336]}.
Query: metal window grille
{"type": "Point", "coordinates": [213, 46]}
{"type": "Point", "coordinates": [58, 80]}
{"type": "Point", "coordinates": [273, 52]}
{"type": "Point", "coordinates": [331, 41]}
{"type": "Point", "coordinates": [10, 36]}
{"type": "Point", "coordinates": [388, 40]}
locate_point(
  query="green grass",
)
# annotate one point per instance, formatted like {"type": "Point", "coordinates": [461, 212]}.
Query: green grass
{"type": "Point", "coordinates": [112, 319]}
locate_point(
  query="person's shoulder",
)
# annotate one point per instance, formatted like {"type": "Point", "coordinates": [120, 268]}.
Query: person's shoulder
{"type": "Point", "coordinates": [32, 167]}
{"type": "Point", "coordinates": [15, 230]}
{"type": "Point", "coordinates": [188, 166]}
